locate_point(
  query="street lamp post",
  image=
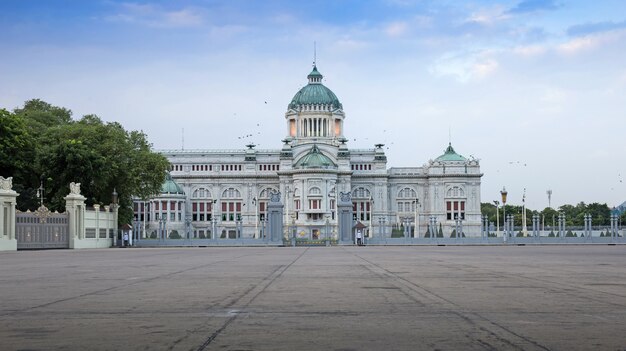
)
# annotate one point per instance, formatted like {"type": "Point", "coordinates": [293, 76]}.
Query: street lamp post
{"type": "Point", "coordinates": [188, 226]}
{"type": "Point", "coordinates": [293, 229]}
{"type": "Point", "coordinates": [256, 217]}
{"type": "Point", "coordinates": [417, 219]}
{"type": "Point", "coordinates": [524, 225]}
{"type": "Point", "coordinates": [327, 231]}
{"type": "Point", "coordinates": [504, 193]}
{"type": "Point", "coordinates": [114, 201]}
{"type": "Point", "coordinates": [497, 203]}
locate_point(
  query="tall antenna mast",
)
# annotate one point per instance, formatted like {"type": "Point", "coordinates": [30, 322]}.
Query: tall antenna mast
{"type": "Point", "coordinates": [183, 139]}
{"type": "Point", "coordinates": [450, 135]}
{"type": "Point", "coordinates": [314, 53]}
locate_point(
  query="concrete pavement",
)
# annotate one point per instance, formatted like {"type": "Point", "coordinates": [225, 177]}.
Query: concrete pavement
{"type": "Point", "coordinates": [336, 298]}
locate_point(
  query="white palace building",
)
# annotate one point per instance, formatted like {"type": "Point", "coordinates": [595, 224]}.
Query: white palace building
{"type": "Point", "coordinates": [216, 194]}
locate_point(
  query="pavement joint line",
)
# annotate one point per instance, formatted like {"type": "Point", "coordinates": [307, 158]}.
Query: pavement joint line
{"type": "Point", "coordinates": [114, 287]}
{"type": "Point", "coordinates": [571, 291]}
{"type": "Point", "coordinates": [451, 307]}
{"type": "Point", "coordinates": [264, 284]}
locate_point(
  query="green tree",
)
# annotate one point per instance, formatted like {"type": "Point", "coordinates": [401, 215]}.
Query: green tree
{"type": "Point", "coordinates": [549, 217]}
{"type": "Point", "coordinates": [41, 116]}
{"type": "Point", "coordinates": [100, 156]}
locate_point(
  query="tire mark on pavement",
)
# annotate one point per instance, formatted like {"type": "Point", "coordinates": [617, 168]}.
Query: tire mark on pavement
{"type": "Point", "coordinates": [14, 312]}
{"type": "Point", "coordinates": [571, 290]}
{"type": "Point", "coordinates": [469, 317]}
{"type": "Point", "coordinates": [247, 298]}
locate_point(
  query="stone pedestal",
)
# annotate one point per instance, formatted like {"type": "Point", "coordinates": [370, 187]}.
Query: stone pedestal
{"type": "Point", "coordinates": [8, 198]}
{"type": "Point", "coordinates": [344, 217]}
{"type": "Point", "coordinates": [275, 219]}
{"type": "Point", "coordinates": [75, 208]}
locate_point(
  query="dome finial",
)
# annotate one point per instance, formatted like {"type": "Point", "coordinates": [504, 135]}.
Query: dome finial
{"type": "Point", "coordinates": [314, 53]}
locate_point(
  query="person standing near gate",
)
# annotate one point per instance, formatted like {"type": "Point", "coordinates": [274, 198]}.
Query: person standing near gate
{"type": "Point", "coordinates": [359, 237]}
{"type": "Point", "coordinates": [125, 239]}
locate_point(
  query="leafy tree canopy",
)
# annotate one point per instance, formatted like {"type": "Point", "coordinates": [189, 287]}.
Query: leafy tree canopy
{"type": "Point", "coordinates": [574, 214]}
{"type": "Point", "coordinates": [101, 156]}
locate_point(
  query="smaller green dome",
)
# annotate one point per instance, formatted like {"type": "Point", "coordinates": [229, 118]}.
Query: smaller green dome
{"type": "Point", "coordinates": [450, 155]}
{"type": "Point", "coordinates": [170, 186]}
{"type": "Point", "coordinates": [315, 159]}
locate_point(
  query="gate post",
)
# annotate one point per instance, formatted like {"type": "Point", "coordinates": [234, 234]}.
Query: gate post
{"type": "Point", "coordinates": [75, 208]}
{"type": "Point", "coordinates": [344, 209]}
{"type": "Point", "coordinates": [8, 242]}
{"type": "Point", "coordinates": [275, 219]}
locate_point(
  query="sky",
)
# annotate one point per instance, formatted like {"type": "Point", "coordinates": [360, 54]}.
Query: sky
{"type": "Point", "coordinates": [535, 89]}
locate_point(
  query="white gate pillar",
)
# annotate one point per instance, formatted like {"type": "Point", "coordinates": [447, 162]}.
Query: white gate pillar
{"type": "Point", "coordinates": [75, 208]}
{"type": "Point", "coordinates": [8, 196]}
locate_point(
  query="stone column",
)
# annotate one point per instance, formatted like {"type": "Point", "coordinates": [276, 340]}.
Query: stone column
{"type": "Point", "coordinates": [344, 207]}
{"type": "Point", "coordinates": [275, 219]}
{"type": "Point", "coordinates": [8, 196]}
{"type": "Point", "coordinates": [75, 208]}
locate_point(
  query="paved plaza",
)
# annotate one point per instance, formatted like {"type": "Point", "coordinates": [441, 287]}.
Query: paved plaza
{"type": "Point", "coordinates": [335, 298]}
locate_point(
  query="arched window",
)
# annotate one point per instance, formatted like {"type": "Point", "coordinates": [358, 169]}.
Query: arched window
{"type": "Point", "coordinates": [455, 191]}
{"type": "Point", "coordinates": [362, 204]}
{"type": "Point", "coordinates": [201, 205]}
{"type": "Point", "coordinates": [455, 203]}
{"type": "Point", "coordinates": [231, 205]}
{"type": "Point", "coordinates": [265, 193]}
{"type": "Point", "coordinates": [315, 191]}
{"type": "Point", "coordinates": [201, 193]}
{"type": "Point", "coordinates": [361, 193]}
{"type": "Point", "coordinates": [231, 193]}
{"type": "Point", "coordinates": [406, 200]}
{"type": "Point", "coordinates": [407, 193]}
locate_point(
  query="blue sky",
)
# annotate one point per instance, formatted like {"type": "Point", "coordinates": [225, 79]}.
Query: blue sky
{"type": "Point", "coordinates": [534, 88]}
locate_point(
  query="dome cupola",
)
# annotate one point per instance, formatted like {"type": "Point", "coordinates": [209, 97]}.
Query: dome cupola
{"type": "Point", "coordinates": [171, 187]}
{"type": "Point", "coordinates": [450, 155]}
{"type": "Point", "coordinates": [315, 159]}
{"type": "Point", "coordinates": [315, 93]}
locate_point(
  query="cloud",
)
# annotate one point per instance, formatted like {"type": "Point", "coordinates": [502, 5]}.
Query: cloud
{"type": "Point", "coordinates": [530, 50]}
{"type": "Point", "coordinates": [396, 29]}
{"type": "Point", "coordinates": [484, 68]}
{"type": "Point", "coordinates": [488, 16]}
{"type": "Point", "coordinates": [590, 42]}
{"type": "Point", "coordinates": [156, 16]}
{"type": "Point", "coordinates": [528, 6]}
{"type": "Point", "coordinates": [465, 67]}
{"type": "Point", "coordinates": [590, 28]}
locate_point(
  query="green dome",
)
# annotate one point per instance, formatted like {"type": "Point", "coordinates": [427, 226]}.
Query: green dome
{"type": "Point", "coordinates": [170, 186]}
{"type": "Point", "coordinates": [450, 155]}
{"type": "Point", "coordinates": [315, 159]}
{"type": "Point", "coordinates": [315, 93]}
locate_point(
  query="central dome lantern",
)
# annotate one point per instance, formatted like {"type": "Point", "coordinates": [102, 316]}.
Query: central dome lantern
{"type": "Point", "coordinates": [315, 113]}
{"type": "Point", "coordinates": [315, 93]}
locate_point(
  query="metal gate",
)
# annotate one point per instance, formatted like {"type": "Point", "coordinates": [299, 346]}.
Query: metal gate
{"type": "Point", "coordinates": [42, 229]}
